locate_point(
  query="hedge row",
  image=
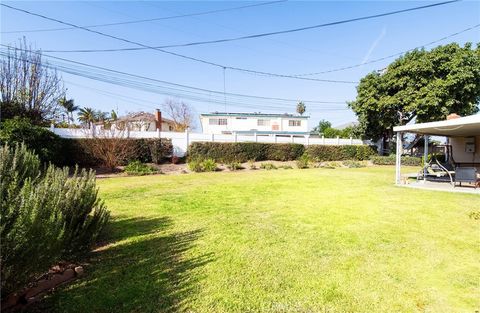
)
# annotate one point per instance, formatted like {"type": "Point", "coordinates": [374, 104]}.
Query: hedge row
{"type": "Point", "coordinates": [81, 152]}
{"type": "Point", "coordinates": [244, 151]}
{"type": "Point", "coordinates": [320, 153]}
{"type": "Point", "coordinates": [390, 160]}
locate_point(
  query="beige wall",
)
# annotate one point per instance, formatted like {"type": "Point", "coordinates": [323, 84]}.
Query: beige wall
{"type": "Point", "coordinates": [458, 149]}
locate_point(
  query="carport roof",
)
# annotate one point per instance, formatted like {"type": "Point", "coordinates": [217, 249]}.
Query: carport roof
{"type": "Point", "coordinates": [461, 127]}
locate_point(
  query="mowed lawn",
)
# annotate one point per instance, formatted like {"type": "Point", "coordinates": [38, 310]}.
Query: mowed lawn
{"type": "Point", "coordinates": [315, 240]}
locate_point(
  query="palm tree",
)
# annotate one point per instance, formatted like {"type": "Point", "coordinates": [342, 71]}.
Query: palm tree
{"type": "Point", "coordinates": [69, 107]}
{"type": "Point", "coordinates": [301, 107]}
{"type": "Point", "coordinates": [87, 116]}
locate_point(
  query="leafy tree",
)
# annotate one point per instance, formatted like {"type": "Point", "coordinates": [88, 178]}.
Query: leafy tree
{"type": "Point", "coordinates": [421, 85]}
{"type": "Point", "coordinates": [29, 87]}
{"type": "Point", "coordinates": [322, 125]}
{"type": "Point", "coordinates": [301, 107]}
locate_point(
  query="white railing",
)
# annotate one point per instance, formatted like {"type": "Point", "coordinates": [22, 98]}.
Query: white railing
{"type": "Point", "coordinates": [181, 140]}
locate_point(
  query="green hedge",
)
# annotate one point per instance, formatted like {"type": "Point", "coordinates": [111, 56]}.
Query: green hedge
{"type": "Point", "coordinates": [244, 151]}
{"type": "Point", "coordinates": [143, 150]}
{"type": "Point", "coordinates": [320, 153]}
{"type": "Point", "coordinates": [390, 160]}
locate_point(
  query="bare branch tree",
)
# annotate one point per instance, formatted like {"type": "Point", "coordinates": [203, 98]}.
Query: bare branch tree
{"type": "Point", "coordinates": [29, 87]}
{"type": "Point", "coordinates": [181, 114]}
{"type": "Point", "coordinates": [110, 146]}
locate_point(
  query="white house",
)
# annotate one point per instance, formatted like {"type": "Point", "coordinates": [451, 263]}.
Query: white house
{"type": "Point", "coordinates": [143, 121]}
{"type": "Point", "coordinates": [261, 123]}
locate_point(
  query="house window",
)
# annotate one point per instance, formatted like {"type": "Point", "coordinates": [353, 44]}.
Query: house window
{"type": "Point", "coordinates": [263, 122]}
{"type": "Point", "coordinates": [294, 123]}
{"type": "Point", "coordinates": [217, 121]}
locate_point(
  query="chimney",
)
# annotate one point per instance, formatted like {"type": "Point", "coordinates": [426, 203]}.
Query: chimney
{"type": "Point", "coordinates": [158, 119]}
{"type": "Point", "coordinates": [453, 116]}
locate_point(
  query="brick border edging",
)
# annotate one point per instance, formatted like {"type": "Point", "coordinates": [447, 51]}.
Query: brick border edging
{"type": "Point", "coordinates": [31, 294]}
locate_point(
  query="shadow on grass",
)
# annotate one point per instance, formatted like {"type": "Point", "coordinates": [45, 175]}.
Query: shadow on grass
{"type": "Point", "coordinates": [151, 272]}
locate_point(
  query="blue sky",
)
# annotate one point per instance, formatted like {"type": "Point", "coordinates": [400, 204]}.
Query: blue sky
{"type": "Point", "coordinates": [295, 53]}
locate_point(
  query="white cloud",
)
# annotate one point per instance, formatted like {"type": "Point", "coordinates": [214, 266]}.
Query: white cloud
{"type": "Point", "coordinates": [374, 45]}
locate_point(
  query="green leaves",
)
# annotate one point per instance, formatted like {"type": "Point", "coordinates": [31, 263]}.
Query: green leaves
{"type": "Point", "coordinates": [426, 85]}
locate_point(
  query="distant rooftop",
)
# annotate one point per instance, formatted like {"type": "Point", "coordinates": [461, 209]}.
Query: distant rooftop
{"type": "Point", "coordinates": [255, 114]}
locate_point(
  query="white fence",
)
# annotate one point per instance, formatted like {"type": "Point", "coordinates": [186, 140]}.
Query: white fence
{"type": "Point", "coordinates": [181, 140]}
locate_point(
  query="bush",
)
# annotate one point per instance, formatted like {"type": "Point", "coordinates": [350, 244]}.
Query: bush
{"type": "Point", "coordinates": [244, 151]}
{"type": "Point", "coordinates": [45, 216]}
{"type": "Point", "coordinates": [209, 165]}
{"type": "Point", "coordinates": [320, 153]}
{"type": "Point", "coordinates": [233, 166]}
{"type": "Point", "coordinates": [286, 167]}
{"type": "Point", "coordinates": [195, 165]}
{"type": "Point", "coordinates": [139, 168]}
{"type": "Point", "coordinates": [251, 164]}
{"type": "Point", "coordinates": [268, 166]}
{"type": "Point", "coordinates": [43, 142]}
{"type": "Point", "coordinates": [303, 161]}
{"type": "Point", "coordinates": [85, 152]}
{"type": "Point", "coordinates": [390, 160]}
{"type": "Point", "coordinates": [353, 164]}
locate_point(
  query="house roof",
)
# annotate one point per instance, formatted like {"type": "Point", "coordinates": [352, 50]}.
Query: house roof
{"type": "Point", "coordinates": [255, 114]}
{"type": "Point", "coordinates": [463, 127]}
{"type": "Point", "coordinates": [142, 116]}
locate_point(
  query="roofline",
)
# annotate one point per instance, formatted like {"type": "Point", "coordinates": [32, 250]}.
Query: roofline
{"type": "Point", "coordinates": [256, 115]}
{"type": "Point", "coordinates": [422, 127]}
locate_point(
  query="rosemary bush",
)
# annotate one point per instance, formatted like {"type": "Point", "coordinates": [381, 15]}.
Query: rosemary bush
{"type": "Point", "coordinates": [46, 216]}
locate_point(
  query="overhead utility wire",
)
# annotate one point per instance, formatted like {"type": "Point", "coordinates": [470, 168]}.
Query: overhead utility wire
{"type": "Point", "coordinates": [264, 34]}
{"type": "Point", "coordinates": [219, 93]}
{"type": "Point", "coordinates": [177, 54]}
{"type": "Point", "coordinates": [390, 56]}
{"type": "Point", "coordinates": [146, 20]}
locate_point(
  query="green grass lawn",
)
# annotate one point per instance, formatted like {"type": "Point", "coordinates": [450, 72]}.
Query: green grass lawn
{"type": "Point", "coordinates": [316, 240]}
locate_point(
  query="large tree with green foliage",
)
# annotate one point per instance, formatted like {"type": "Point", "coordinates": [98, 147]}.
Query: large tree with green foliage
{"type": "Point", "coordinates": [422, 85]}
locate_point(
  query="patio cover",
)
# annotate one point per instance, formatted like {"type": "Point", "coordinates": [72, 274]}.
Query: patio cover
{"type": "Point", "coordinates": [462, 126]}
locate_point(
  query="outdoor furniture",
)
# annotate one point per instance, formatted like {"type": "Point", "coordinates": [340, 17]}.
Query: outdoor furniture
{"type": "Point", "coordinates": [466, 175]}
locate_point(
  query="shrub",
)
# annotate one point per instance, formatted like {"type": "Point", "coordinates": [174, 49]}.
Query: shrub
{"type": "Point", "coordinates": [43, 142]}
{"type": "Point", "coordinates": [195, 165]}
{"type": "Point", "coordinates": [320, 153]}
{"type": "Point", "coordinates": [209, 165]}
{"type": "Point", "coordinates": [139, 168]}
{"type": "Point", "coordinates": [45, 216]}
{"type": "Point", "coordinates": [390, 160]}
{"type": "Point", "coordinates": [88, 152]}
{"type": "Point", "coordinates": [331, 164]}
{"type": "Point", "coordinates": [303, 161]}
{"type": "Point", "coordinates": [353, 164]}
{"type": "Point", "coordinates": [268, 166]}
{"type": "Point", "coordinates": [251, 164]}
{"type": "Point", "coordinates": [233, 166]}
{"type": "Point", "coordinates": [244, 151]}
{"type": "Point", "coordinates": [286, 167]}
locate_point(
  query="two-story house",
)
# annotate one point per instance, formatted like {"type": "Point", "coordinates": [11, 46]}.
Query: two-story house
{"type": "Point", "coordinates": [260, 123]}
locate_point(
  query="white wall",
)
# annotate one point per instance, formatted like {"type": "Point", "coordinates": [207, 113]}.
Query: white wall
{"type": "Point", "coordinates": [235, 123]}
{"type": "Point", "coordinates": [458, 150]}
{"type": "Point", "coordinates": [181, 140]}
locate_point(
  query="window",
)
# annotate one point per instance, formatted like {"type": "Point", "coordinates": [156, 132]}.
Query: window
{"type": "Point", "coordinates": [217, 121]}
{"type": "Point", "coordinates": [263, 122]}
{"type": "Point", "coordinates": [241, 118]}
{"type": "Point", "coordinates": [294, 123]}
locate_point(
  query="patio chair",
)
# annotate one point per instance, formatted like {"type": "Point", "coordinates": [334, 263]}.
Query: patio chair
{"type": "Point", "coordinates": [466, 175]}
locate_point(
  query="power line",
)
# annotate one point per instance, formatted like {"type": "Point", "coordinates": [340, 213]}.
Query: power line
{"type": "Point", "coordinates": [90, 73]}
{"type": "Point", "coordinates": [261, 34]}
{"type": "Point", "coordinates": [146, 20]}
{"type": "Point", "coordinates": [389, 56]}
{"type": "Point", "coordinates": [177, 54]}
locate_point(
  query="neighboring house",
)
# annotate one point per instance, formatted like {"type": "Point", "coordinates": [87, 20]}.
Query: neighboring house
{"type": "Point", "coordinates": [143, 121]}
{"type": "Point", "coordinates": [261, 123]}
